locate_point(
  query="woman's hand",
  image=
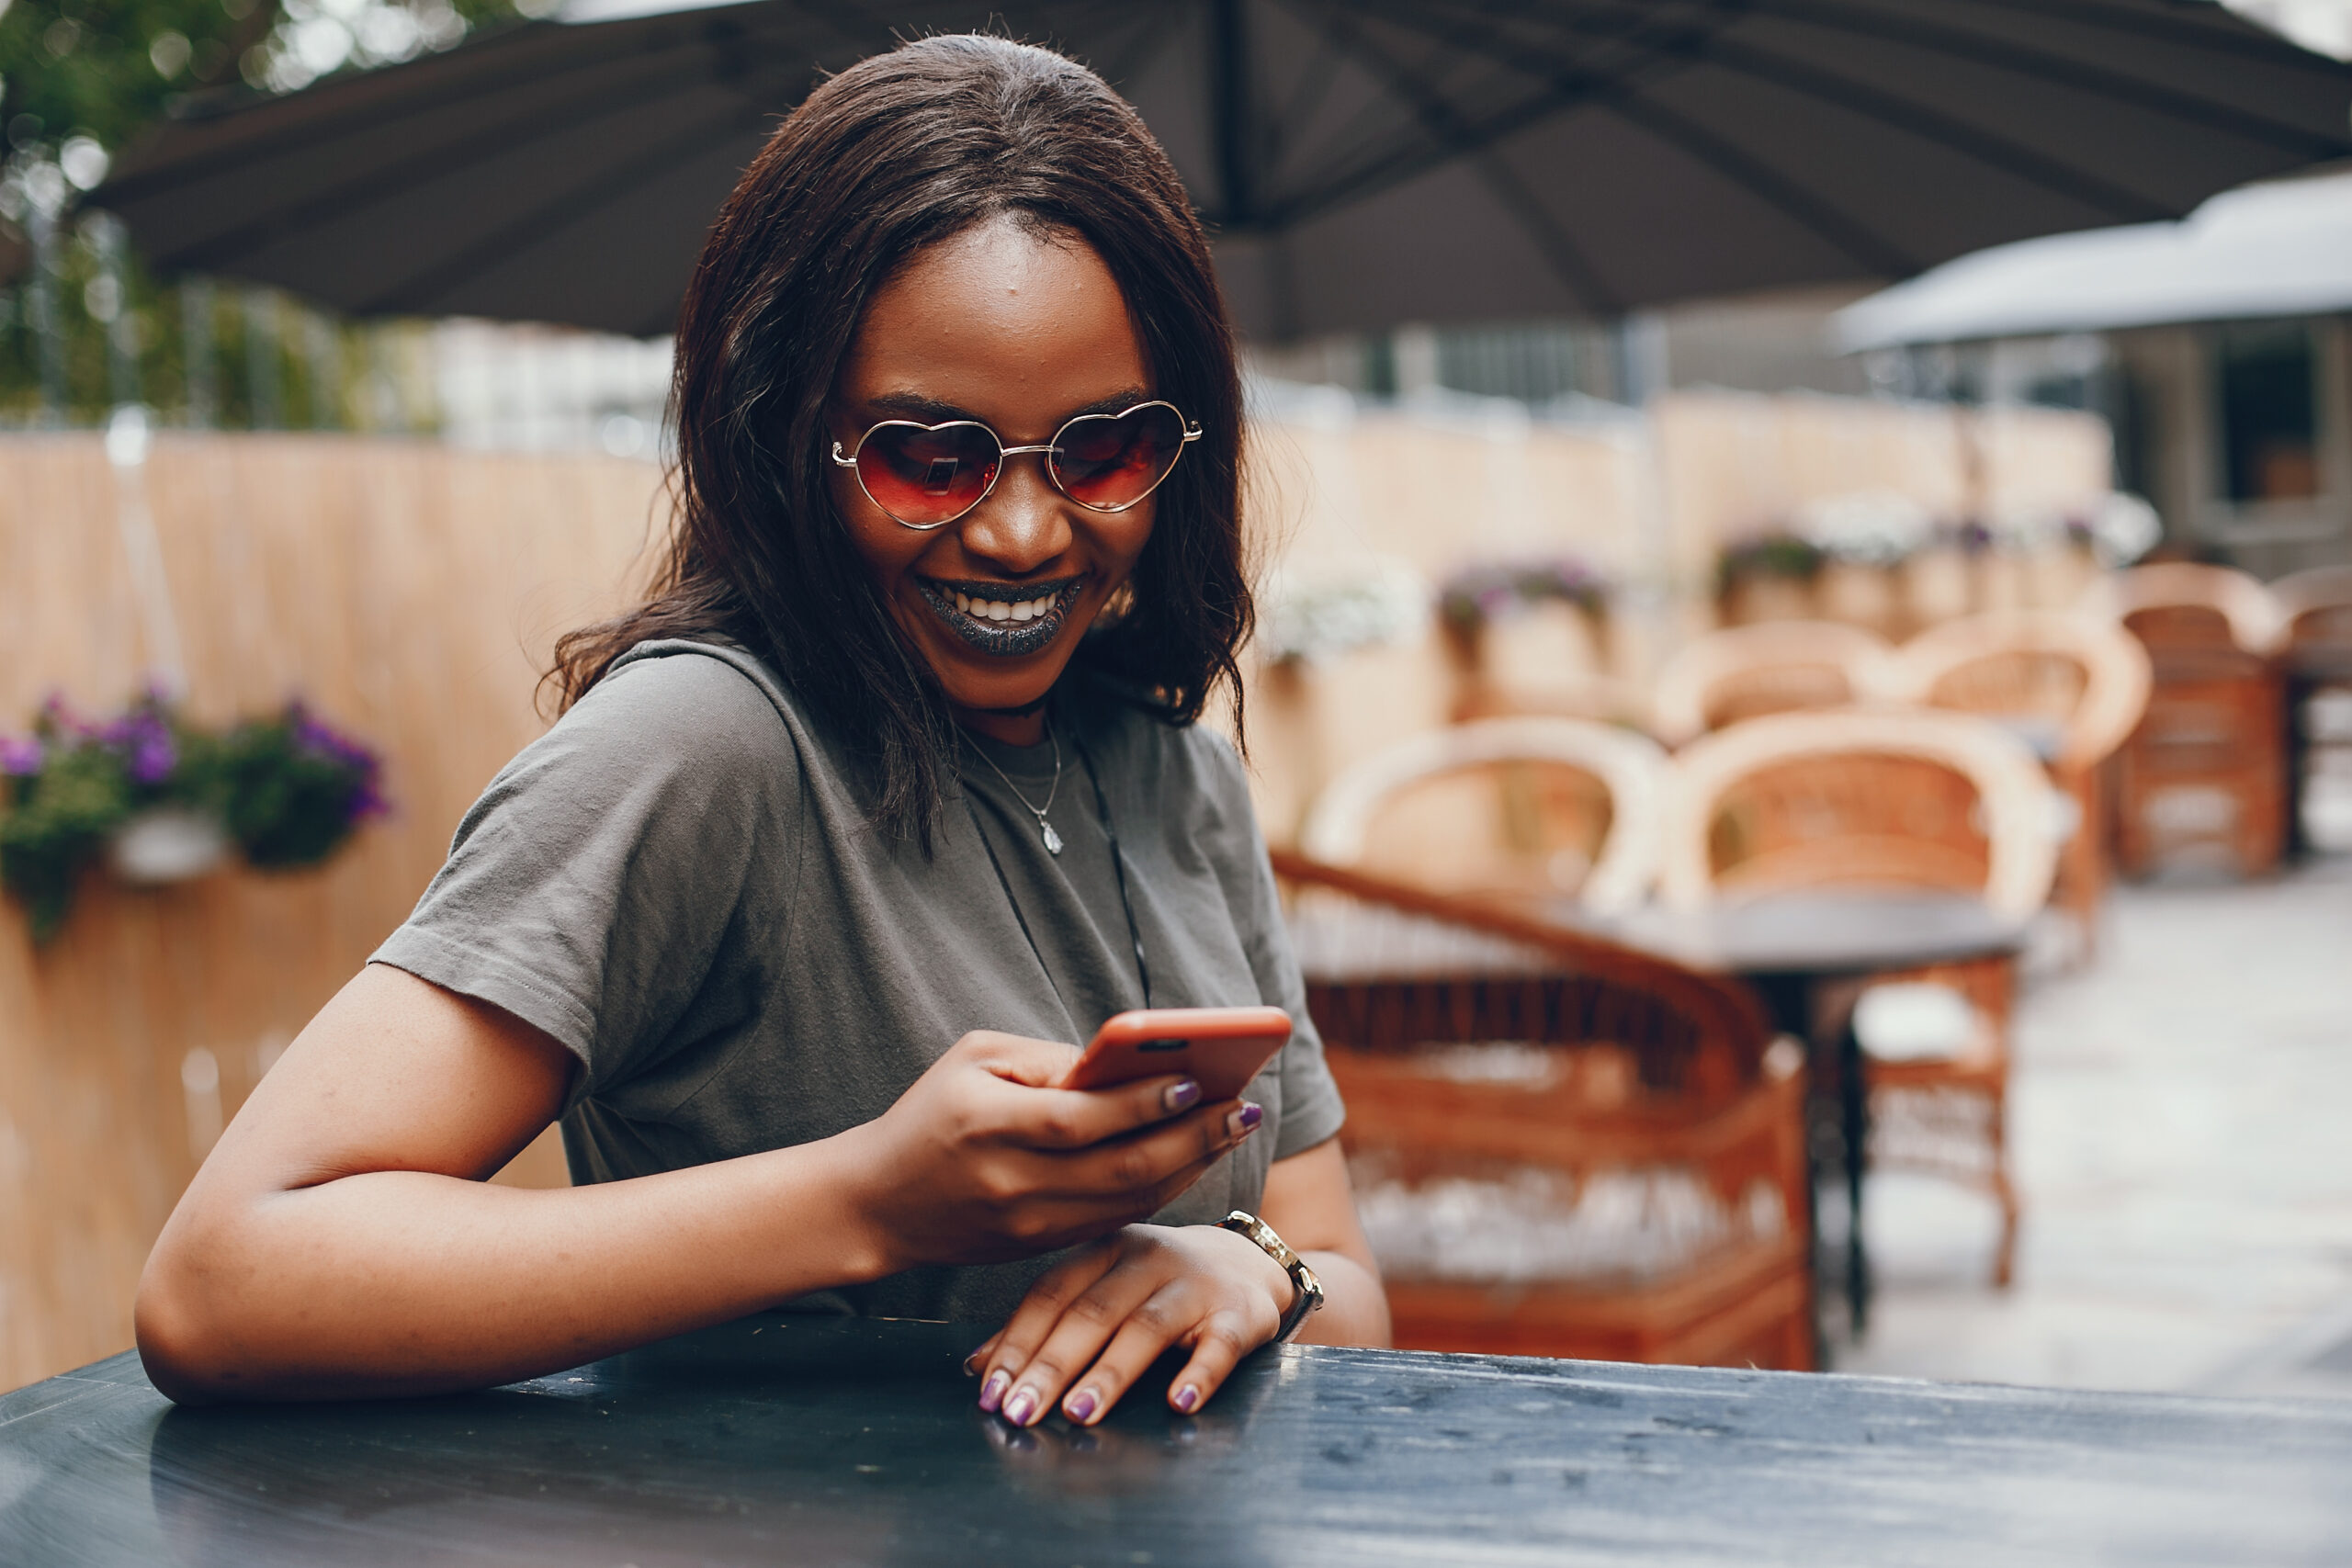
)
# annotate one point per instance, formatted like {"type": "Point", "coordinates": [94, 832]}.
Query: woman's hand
{"type": "Point", "coordinates": [982, 1159]}
{"type": "Point", "coordinates": [1096, 1322]}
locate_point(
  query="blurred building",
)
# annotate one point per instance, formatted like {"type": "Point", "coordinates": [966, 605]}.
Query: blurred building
{"type": "Point", "coordinates": [2218, 348]}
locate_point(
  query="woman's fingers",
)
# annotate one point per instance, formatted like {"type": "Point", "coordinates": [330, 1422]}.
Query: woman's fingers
{"type": "Point", "coordinates": [1225, 1337]}
{"type": "Point", "coordinates": [1016, 1344]}
{"type": "Point", "coordinates": [1083, 1320]}
{"type": "Point", "coordinates": [1074, 1118]}
{"type": "Point", "coordinates": [1016, 1058]}
{"type": "Point", "coordinates": [1157, 1164]}
{"type": "Point", "coordinates": [1149, 1330]}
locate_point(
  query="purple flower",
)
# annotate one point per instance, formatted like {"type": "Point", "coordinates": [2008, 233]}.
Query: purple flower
{"type": "Point", "coordinates": [144, 739]}
{"type": "Point", "coordinates": [56, 718]}
{"type": "Point", "coordinates": [153, 758]}
{"type": "Point", "coordinates": [21, 758]}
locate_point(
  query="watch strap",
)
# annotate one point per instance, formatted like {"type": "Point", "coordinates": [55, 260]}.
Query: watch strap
{"type": "Point", "coordinates": [1309, 1299]}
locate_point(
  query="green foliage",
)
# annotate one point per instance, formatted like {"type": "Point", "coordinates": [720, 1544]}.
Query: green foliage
{"type": "Point", "coordinates": [80, 81]}
{"type": "Point", "coordinates": [293, 790]}
{"type": "Point", "coordinates": [95, 67]}
{"type": "Point", "coordinates": [288, 790]}
{"type": "Point", "coordinates": [57, 823]}
{"type": "Point", "coordinates": [1783, 556]}
{"type": "Point", "coordinates": [1491, 590]}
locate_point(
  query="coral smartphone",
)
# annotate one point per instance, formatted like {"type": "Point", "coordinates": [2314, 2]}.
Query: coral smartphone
{"type": "Point", "coordinates": [1219, 1048]}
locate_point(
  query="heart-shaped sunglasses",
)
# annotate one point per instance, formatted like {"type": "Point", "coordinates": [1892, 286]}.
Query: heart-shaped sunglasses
{"type": "Point", "coordinates": [926, 475]}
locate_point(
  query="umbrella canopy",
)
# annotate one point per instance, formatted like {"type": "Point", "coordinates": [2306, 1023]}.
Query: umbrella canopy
{"type": "Point", "coordinates": [1363, 161]}
{"type": "Point", "coordinates": [2277, 249]}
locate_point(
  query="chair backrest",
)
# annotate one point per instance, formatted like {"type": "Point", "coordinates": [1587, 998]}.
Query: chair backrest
{"type": "Point", "coordinates": [2317, 608]}
{"type": "Point", "coordinates": [2085, 676]}
{"type": "Point", "coordinates": [1911, 798]}
{"type": "Point", "coordinates": [1774, 667]}
{"type": "Point", "coordinates": [1559, 1146]}
{"type": "Point", "coordinates": [1527, 807]}
{"type": "Point", "coordinates": [1392, 969]}
{"type": "Point", "coordinates": [2189, 608]}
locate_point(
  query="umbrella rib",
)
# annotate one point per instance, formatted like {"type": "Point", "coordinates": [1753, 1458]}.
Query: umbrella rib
{"type": "Point", "coordinates": [2029, 62]}
{"type": "Point", "coordinates": [1858, 243]}
{"type": "Point", "coordinates": [419, 168]}
{"type": "Point", "coordinates": [413, 293]}
{"type": "Point", "coordinates": [1984, 146]}
{"type": "Point", "coordinates": [1142, 45]}
{"type": "Point", "coordinates": [1305, 99]}
{"type": "Point", "coordinates": [1447, 125]}
{"type": "Point", "coordinates": [1558, 92]}
{"type": "Point", "coordinates": [391, 107]}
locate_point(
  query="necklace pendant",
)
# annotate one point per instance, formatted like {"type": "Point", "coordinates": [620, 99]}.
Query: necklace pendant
{"type": "Point", "coordinates": [1053, 839]}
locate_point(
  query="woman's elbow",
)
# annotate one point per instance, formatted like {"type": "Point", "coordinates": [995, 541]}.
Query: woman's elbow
{"type": "Point", "coordinates": [184, 1343]}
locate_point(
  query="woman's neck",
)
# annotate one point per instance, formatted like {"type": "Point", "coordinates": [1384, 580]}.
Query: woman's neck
{"type": "Point", "coordinates": [1011, 726]}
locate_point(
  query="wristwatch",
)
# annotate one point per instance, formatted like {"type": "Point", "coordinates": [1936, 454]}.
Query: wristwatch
{"type": "Point", "coordinates": [1310, 1289]}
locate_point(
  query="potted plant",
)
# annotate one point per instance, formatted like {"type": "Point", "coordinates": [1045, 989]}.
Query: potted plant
{"type": "Point", "coordinates": [156, 800]}
{"type": "Point", "coordinates": [1864, 538]}
{"type": "Point", "coordinates": [1767, 577]}
{"type": "Point", "coordinates": [1532, 622]}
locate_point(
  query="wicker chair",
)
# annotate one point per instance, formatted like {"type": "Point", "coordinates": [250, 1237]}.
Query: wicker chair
{"type": "Point", "coordinates": [1529, 811]}
{"type": "Point", "coordinates": [1774, 667]}
{"type": "Point", "coordinates": [1898, 799]}
{"type": "Point", "coordinates": [2207, 768]}
{"type": "Point", "coordinates": [2316, 606]}
{"type": "Point", "coordinates": [2075, 684]}
{"type": "Point", "coordinates": [1561, 1147]}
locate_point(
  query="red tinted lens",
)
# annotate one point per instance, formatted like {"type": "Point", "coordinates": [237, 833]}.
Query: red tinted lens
{"type": "Point", "coordinates": [925, 476]}
{"type": "Point", "coordinates": [1114, 460]}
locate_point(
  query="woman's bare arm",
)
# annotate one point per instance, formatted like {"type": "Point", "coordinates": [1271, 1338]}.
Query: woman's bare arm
{"type": "Point", "coordinates": [341, 1238]}
{"type": "Point", "coordinates": [1310, 1204]}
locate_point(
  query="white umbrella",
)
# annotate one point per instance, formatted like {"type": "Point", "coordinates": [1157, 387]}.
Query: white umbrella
{"type": "Point", "coordinates": [2283, 248]}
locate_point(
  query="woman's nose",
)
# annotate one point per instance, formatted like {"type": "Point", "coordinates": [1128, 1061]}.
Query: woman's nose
{"type": "Point", "coordinates": [1024, 523]}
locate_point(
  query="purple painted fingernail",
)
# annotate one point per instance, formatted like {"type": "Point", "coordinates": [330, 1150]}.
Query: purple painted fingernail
{"type": "Point", "coordinates": [1082, 1405]}
{"type": "Point", "coordinates": [993, 1389]}
{"type": "Point", "coordinates": [1188, 1399]}
{"type": "Point", "coordinates": [1021, 1406]}
{"type": "Point", "coordinates": [1182, 1096]}
{"type": "Point", "coordinates": [1244, 1121]}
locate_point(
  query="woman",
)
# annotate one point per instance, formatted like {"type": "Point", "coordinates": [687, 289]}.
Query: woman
{"type": "Point", "coordinates": [890, 794]}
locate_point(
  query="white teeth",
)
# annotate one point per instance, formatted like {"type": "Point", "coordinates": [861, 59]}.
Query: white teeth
{"type": "Point", "coordinates": [988, 609]}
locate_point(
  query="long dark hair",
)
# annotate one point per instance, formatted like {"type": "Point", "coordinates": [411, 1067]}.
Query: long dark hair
{"type": "Point", "coordinates": [895, 154]}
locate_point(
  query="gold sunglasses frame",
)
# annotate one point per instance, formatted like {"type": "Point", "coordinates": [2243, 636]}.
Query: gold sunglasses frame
{"type": "Point", "coordinates": [849, 460]}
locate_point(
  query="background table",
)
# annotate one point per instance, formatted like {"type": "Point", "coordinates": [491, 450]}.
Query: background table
{"type": "Point", "coordinates": [1788, 946]}
{"type": "Point", "coordinates": [825, 1442]}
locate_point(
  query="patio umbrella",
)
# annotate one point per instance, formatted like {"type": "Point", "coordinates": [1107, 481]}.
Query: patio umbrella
{"type": "Point", "coordinates": [1362, 163]}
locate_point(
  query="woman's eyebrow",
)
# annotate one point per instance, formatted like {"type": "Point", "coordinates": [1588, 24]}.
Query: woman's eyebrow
{"type": "Point", "coordinates": [932, 411]}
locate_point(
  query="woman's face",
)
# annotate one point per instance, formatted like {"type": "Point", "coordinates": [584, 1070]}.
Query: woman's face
{"type": "Point", "coordinates": [1020, 331]}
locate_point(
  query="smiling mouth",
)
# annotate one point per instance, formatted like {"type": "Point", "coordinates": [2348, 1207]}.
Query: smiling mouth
{"type": "Point", "coordinates": [1004, 619]}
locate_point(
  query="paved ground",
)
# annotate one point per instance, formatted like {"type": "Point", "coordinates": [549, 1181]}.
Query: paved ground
{"type": "Point", "coordinates": [2182, 1117]}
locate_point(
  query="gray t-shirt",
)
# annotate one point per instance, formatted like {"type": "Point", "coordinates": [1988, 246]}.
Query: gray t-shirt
{"type": "Point", "coordinates": [679, 884]}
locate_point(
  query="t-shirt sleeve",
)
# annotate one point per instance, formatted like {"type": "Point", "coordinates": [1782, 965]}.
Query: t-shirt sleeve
{"type": "Point", "coordinates": [1312, 1110]}
{"type": "Point", "coordinates": [591, 890]}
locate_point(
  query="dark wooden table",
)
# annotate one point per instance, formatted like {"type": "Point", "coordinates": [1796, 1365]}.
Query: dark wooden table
{"type": "Point", "coordinates": [1788, 946]}
{"type": "Point", "coordinates": [823, 1441]}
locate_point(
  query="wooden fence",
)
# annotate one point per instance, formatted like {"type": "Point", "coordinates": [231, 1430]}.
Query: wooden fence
{"type": "Point", "coordinates": [411, 593]}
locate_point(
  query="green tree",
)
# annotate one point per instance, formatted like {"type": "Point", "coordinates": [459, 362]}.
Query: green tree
{"type": "Point", "coordinates": [82, 79]}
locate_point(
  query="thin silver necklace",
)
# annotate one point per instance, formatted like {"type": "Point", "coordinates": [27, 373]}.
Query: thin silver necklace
{"type": "Point", "coordinates": [1053, 840]}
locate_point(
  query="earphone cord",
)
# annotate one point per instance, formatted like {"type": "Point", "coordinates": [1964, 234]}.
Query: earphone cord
{"type": "Point", "coordinates": [1118, 865]}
